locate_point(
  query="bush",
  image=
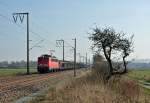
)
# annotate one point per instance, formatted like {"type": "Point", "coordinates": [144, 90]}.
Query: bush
{"type": "Point", "coordinates": [101, 70]}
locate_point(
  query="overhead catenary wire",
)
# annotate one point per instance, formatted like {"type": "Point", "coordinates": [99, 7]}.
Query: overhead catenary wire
{"type": "Point", "coordinates": [37, 34]}
{"type": "Point", "coordinates": [39, 27]}
{"type": "Point", "coordinates": [18, 25]}
{"type": "Point", "coordinates": [31, 31]}
{"type": "Point", "coordinates": [69, 44]}
{"type": "Point", "coordinates": [4, 4]}
{"type": "Point", "coordinates": [37, 44]}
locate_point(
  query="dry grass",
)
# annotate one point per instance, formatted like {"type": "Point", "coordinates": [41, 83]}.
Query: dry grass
{"type": "Point", "coordinates": [88, 88]}
{"type": "Point", "coordinates": [91, 88]}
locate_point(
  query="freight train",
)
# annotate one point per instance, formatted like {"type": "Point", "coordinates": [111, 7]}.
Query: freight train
{"type": "Point", "coordinates": [47, 63]}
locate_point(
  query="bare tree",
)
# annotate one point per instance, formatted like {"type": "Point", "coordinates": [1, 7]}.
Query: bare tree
{"type": "Point", "coordinates": [105, 40]}
{"type": "Point", "coordinates": [125, 45]}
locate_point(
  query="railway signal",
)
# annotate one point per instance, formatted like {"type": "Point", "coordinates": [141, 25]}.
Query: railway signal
{"type": "Point", "coordinates": [21, 17]}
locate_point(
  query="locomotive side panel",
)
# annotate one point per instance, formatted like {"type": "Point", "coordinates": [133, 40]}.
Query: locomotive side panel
{"type": "Point", "coordinates": [53, 64]}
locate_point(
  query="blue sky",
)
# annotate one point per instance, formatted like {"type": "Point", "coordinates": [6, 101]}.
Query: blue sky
{"type": "Point", "coordinates": [67, 19]}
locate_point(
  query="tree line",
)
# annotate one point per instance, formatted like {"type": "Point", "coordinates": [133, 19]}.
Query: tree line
{"type": "Point", "coordinates": [16, 64]}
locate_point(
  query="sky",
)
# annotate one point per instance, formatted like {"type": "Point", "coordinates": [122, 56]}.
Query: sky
{"type": "Point", "coordinates": [50, 20]}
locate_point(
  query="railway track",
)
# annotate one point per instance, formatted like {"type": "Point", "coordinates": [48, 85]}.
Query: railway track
{"type": "Point", "coordinates": [5, 86]}
{"type": "Point", "coordinates": [17, 85]}
{"type": "Point", "coordinates": [9, 88]}
{"type": "Point", "coordinates": [14, 78]}
{"type": "Point", "coordinates": [23, 79]}
{"type": "Point", "coordinates": [13, 88]}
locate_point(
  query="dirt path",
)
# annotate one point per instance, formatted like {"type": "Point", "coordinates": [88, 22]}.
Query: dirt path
{"type": "Point", "coordinates": [15, 87]}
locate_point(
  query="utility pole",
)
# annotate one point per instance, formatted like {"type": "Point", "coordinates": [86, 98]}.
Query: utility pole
{"type": "Point", "coordinates": [21, 17]}
{"type": "Point", "coordinates": [86, 59]}
{"type": "Point", "coordinates": [74, 57]}
{"type": "Point", "coordinates": [63, 45]}
{"type": "Point", "coordinates": [63, 50]}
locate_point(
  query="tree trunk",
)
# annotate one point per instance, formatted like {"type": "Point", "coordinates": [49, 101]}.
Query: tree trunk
{"type": "Point", "coordinates": [109, 63]}
{"type": "Point", "coordinates": [125, 65]}
{"type": "Point", "coordinates": [110, 66]}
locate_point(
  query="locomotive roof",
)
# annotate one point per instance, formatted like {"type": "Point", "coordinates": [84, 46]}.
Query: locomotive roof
{"type": "Point", "coordinates": [65, 61]}
{"type": "Point", "coordinates": [46, 55]}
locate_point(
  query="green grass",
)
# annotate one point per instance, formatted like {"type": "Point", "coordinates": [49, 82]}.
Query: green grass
{"type": "Point", "coordinates": [143, 75]}
{"type": "Point", "coordinates": [140, 74]}
{"type": "Point", "coordinates": [15, 71]}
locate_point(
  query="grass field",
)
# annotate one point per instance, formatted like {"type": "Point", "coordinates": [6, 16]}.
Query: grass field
{"type": "Point", "coordinates": [143, 74]}
{"type": "Point", "coordinates": [14, 71]}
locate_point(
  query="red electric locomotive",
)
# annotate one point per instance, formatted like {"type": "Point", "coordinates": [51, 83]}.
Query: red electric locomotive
{"type": "Point", "coordinates": [47, 63]}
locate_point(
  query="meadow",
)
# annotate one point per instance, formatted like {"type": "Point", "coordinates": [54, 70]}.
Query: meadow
{"type": "Point", "coordinates": [143, 77]}
{"type": "Point", "coordinates": [143, 74]}
{"type": "Point", "coordinates": [15, 71]}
